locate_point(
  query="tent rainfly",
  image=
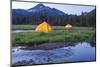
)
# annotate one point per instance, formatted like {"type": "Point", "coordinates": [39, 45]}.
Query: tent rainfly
{"type": "Point", "coordinates": [68, 26]}
{"type": "Point", "coordinates": [43, 27]}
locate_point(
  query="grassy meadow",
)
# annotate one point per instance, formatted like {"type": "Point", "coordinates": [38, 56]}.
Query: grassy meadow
{"type": "Point", "coordinates": [59, 34]}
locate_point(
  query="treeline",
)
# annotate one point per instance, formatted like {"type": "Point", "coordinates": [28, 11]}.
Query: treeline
{"type": "Point", "coordinates": [85, 19]}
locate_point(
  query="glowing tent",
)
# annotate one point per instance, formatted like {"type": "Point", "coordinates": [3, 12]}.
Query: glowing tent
{"type": "Point", "coordinates": [43, 27]}
{"type": "Point", "coordinates": [68, 26]}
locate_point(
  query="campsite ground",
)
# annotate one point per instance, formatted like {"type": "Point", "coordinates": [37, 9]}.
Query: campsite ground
{"type": "Point", "coordinates": [33, 27]}
{"type": "Point", "coordinates": [59, 34]}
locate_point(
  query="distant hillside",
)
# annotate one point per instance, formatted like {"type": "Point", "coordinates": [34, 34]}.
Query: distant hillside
{"type": "Point", "coordinates": [39, 9]}
{"type": "Point", "coordinates": [52, 16]}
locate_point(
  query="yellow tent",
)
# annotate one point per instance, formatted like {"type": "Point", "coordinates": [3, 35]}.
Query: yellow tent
{"type": "Point", "coordinates": [68, 26]}
{"type": "Point", "coordinates": [43, 27]}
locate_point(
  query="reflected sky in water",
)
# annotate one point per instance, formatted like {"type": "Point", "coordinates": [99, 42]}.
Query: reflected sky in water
{"type": "Point", "coordinates": [79, 52]}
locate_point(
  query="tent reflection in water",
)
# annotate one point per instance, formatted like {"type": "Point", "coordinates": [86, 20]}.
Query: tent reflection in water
{"type": "Point", "coordinates": [43, 27]}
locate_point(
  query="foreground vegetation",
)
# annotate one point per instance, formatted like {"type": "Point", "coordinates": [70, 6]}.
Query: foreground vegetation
{"type": "Point", "coordinates": [59, 34]}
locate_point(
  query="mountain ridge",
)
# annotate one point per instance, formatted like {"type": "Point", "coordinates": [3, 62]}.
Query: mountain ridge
{"type": "Point", "coordinates": [40, 8]}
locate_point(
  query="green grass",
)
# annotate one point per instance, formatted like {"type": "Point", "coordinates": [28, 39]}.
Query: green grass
{"type": "Point", "coordinates": [32, 27]}
{"type": "Point", "coordinates": [23, 27]}
{"type": "Point", "coordinates": [57, 35]}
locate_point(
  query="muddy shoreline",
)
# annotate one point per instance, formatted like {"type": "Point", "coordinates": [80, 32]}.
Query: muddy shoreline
{"type": "Point", "coordinates": [49, 46]}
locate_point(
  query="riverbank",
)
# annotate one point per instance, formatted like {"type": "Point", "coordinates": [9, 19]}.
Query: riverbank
{"type": "Point", "coordinates": [36, 38]}
{"type": "Point", "coordinates": [50, 46]}
{"type": "Point", "coordinates": [24, 35]}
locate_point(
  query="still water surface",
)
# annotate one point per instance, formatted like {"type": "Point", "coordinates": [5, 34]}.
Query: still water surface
{"type": "Point", "coordinates": [80, 52]}
{"type": "Point", "coordinates": [18, 31]}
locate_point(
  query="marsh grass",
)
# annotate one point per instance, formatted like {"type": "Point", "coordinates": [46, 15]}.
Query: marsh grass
{"type": "Point", "coordinates": [23, 27]}
{"type": "Point", "coordinates": [61, 35]}
{"type": "Point", "coordinates": [32, 27]}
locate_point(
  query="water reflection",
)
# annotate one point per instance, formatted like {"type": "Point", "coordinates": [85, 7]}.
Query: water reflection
{"type": "Point", "coordinates": [79, 52]}
{"type": "Point", "coordinates": [17, 31]}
